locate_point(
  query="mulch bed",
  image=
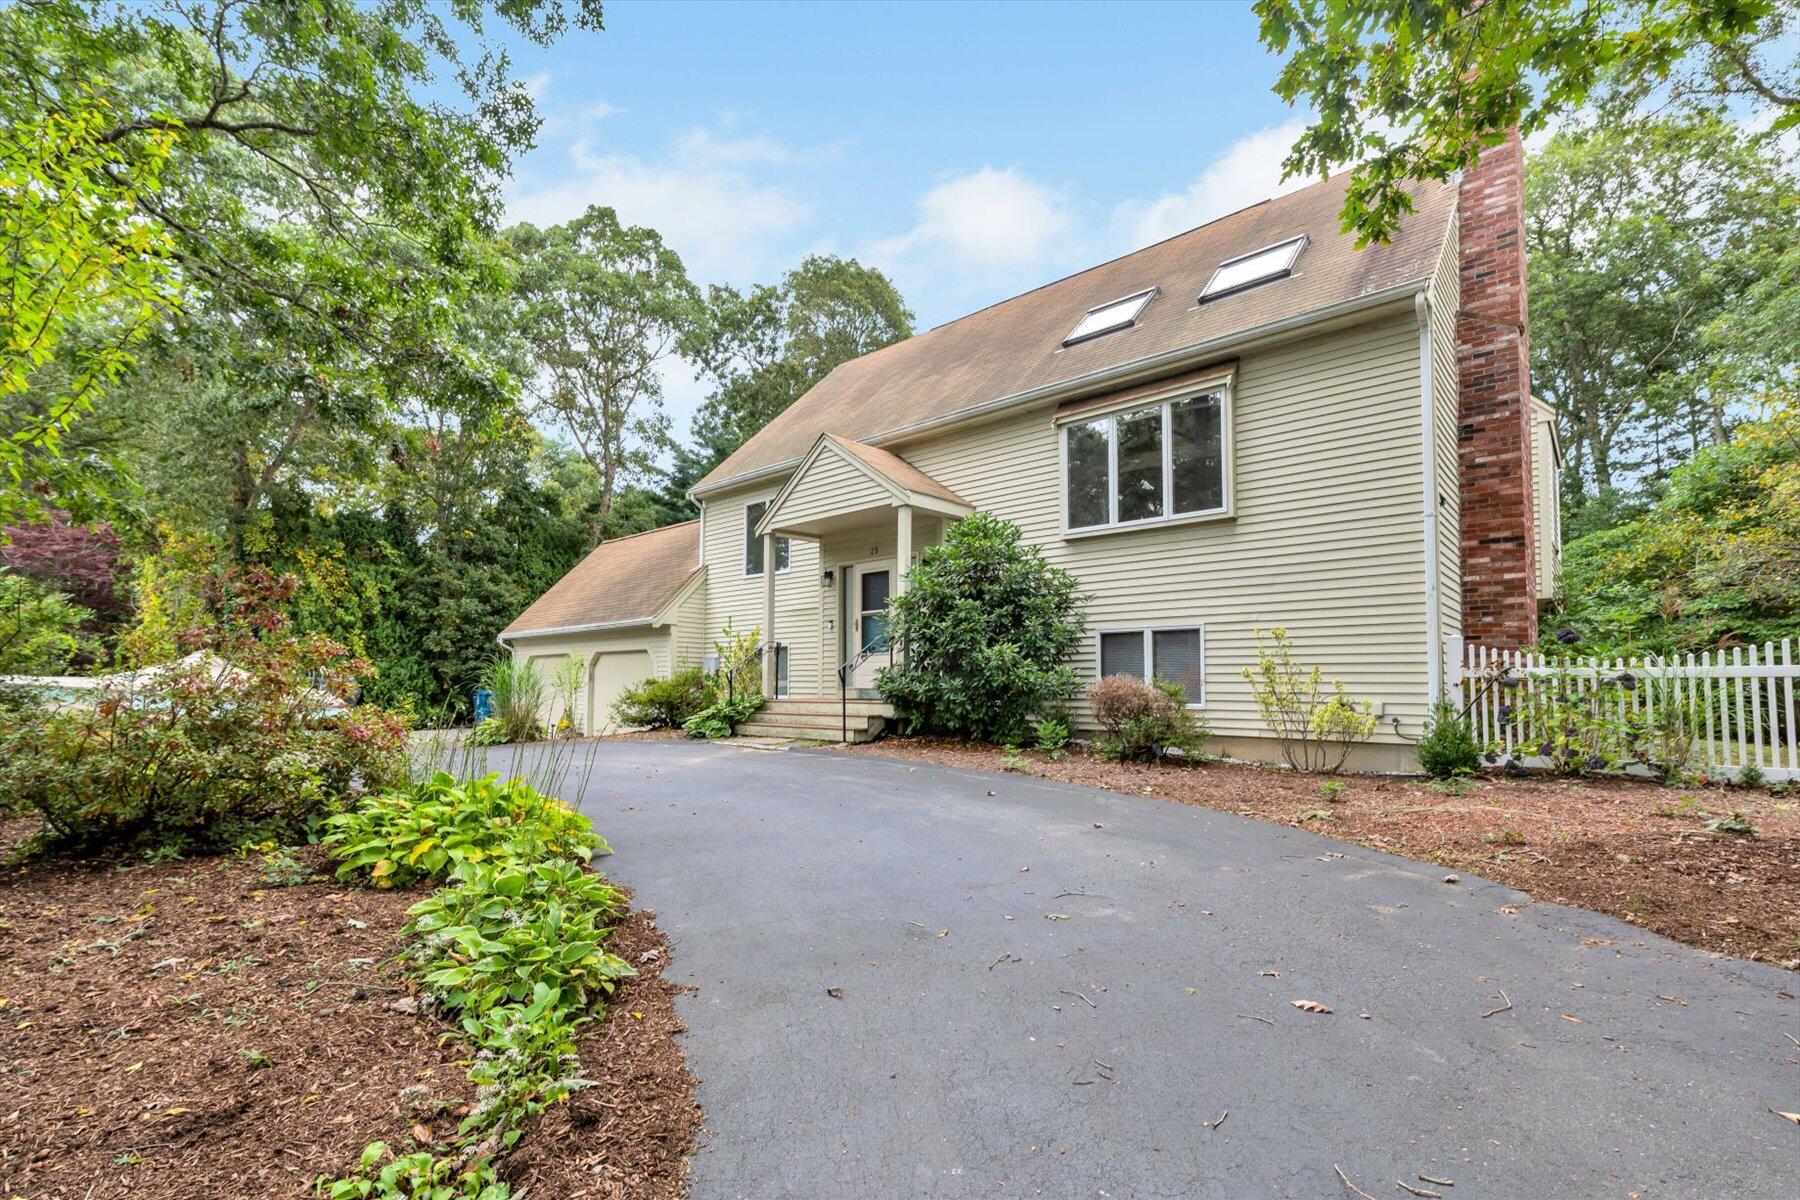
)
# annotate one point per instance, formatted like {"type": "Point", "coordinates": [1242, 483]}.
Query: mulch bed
{"type": "Point", "coordinates": [1634, 849]}
{"type": "Point", "coordinates": [190, 1029]}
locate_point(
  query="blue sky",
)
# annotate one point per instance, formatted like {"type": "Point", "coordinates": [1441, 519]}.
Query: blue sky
{"type": "Point", "coordinates": [970, 150]}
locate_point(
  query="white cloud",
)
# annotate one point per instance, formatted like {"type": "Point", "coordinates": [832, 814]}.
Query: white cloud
{"type": "Point", "coordinates": [1248, 171]}
{"type": "Point", "coordinates": [725, 223]}
{"type": "Point", "coordinates": [975, 231]}
{"type": "Point", "coordinates": [704, 145]}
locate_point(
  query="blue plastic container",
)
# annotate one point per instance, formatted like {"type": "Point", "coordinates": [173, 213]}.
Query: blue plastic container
{"type": "Point", "coordinates": [484, 704]}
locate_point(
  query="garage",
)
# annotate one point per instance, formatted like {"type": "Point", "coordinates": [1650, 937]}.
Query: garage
{"type": "Point", "coordinates": [612, 672]}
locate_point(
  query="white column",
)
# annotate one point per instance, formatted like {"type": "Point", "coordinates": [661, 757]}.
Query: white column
{"type": "Point", "coordinates": [768, 661]}
{"type": "Point", "coordinates": [903, 542]}
{"type": "Point", "coordinates": [903, 548]}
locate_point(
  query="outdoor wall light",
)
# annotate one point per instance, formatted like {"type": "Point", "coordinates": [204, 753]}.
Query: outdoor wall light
{"type": "Point", "coordinates": [827, 578]}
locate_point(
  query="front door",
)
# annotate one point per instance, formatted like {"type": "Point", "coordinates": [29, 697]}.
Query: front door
{"type": "Point", "coordinates": [872, 583]}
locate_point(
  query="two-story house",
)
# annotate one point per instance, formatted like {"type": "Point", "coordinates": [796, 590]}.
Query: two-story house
{"type": "Point", "coordinates": [1254, 423]}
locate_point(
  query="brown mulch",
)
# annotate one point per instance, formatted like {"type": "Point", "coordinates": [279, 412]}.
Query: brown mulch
{"type": "Point", "coordinates": [1635, 849]}
{"type": "Point", "coordinates": [190, 1029]}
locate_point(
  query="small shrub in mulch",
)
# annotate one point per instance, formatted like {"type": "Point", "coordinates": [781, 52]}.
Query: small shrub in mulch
{"type": "Point", "coordinates": [1662, 858]}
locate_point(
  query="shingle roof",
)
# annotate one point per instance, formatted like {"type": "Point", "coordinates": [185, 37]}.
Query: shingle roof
{"type": "Point", "coordinates": [1016, 346]}
{"type": "Point", "coordinates": [628, 579]}
{"type": "Point", "coordinates": [892, 467]}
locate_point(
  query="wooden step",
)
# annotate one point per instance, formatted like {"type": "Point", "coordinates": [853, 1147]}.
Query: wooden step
{"type": "Point", "coordinates": [828, 705]}
{"type": "Point", "coordinates": [810, 733]}
{"type": "Point", "coordinates": [830, 723]}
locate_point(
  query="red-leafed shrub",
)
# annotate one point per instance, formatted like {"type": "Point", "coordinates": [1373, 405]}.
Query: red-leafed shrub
{"type": "Point", "coordinates": [254, 734]}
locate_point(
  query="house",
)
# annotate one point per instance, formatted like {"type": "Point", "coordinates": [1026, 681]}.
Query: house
{"type": "Point", "coordinates": [1254, 423]}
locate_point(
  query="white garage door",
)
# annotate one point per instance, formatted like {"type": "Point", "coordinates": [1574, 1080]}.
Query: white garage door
{"type": "Point", "coordinates": [613, 672]}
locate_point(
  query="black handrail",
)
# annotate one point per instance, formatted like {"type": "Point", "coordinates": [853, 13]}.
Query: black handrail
{"type": "Point", "coordinates": [844, 673]}
{"type": "Point", "coordinates": [754, 654]}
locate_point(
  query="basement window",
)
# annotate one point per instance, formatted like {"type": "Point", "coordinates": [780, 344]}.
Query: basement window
{"type": "Point", "coordinates": [1170, 655]}
{"type": "Point", "coordinates": [1261, 266]}
{"type": "Point", "coordinates": [1113, 315]}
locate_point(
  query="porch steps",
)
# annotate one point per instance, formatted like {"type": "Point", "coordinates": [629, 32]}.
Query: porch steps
{"type": "Point", "coordinates": [819, 719]}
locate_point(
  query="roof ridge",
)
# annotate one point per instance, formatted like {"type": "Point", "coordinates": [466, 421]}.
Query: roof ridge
{"type": "Point", "coordinates": [626, 537]}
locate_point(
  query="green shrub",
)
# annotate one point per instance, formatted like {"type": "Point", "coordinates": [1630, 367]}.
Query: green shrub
{"type": "Point", "coordinates": [1141, 721]}
{"type": "Point", "coordinates": [426, 830]}
{"type": "Point", "coordinates": [722, 717]}
{"type": "Point", "coordinates": [1052, 735]}
{"type": "Point", "coordinates": [244, 740]}
{"type": "Point", "coordinates": [381, 1175]}
{"type": "Point", "coordinates": [665, 703]}
{"type": "Point", "coordinates": [1449, 747]}
{"type": "Point", "coordinates": [489, 733]}
{"type": "Point", "coordinates": [988, 627]}
{"type": "Point", "coordinates": [505, 931]}
{"type": "Point", "coordinates": [1317, 725]}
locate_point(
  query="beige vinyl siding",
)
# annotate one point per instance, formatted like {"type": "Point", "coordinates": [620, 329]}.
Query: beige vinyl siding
{"type": "Point", "coordinates": [692, 637]}
{"type": "Point", "coordinates": [829, 487]}
{"type": "Point", "coordinates": [1326, 539]}
{"type": "Point", "coordinates": [1445, 295]}
{"type": "Point", "coordinates": [546, 651]}
{"type": "Point", "coordinates": [730, 594]}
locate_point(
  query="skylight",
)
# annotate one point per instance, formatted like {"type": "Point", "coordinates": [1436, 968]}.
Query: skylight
{"type": "Point", "coordinates": [1114, 314]}
{"type": "Point", "coordinates": [1234, 275]}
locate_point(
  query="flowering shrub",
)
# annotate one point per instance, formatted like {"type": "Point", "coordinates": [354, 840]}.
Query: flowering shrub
{"type": "Point", "coordinates": [248, 737]}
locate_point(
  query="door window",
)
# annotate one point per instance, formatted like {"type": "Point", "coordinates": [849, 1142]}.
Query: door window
{"type": "Point", "coordinates": [873, 592]}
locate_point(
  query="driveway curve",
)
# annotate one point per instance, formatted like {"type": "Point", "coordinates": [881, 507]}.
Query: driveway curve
{"type": "Point", "coordinates": [921, 982]}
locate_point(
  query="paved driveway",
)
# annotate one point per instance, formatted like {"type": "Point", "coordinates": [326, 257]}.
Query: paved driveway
{"type": "Point", "coordinates": [1047, 990]}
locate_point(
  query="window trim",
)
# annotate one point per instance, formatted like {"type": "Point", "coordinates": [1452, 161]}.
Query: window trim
{"type": "Point", "coordinates": [1299, 243]}
{"type": "Point", "coordinates": [1144, 298]}
{"type": "Point", "coordinates": [1222, 388]}
{"type": "Point", "coordinates": [1149, 632]}
{"type": "Point", "coordinates": [765, 501]}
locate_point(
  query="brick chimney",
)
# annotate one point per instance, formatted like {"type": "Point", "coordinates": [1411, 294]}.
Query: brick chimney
{"type": "Point", "coordinates": [1499, 552]}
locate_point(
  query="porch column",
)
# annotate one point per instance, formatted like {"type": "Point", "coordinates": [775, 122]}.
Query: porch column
{"type": "Point", "coordinates": [768, 659]}
{"type": "Point", "coordinates": [903, 540]}
{"type": "Point", "coordinates": [903, 548]}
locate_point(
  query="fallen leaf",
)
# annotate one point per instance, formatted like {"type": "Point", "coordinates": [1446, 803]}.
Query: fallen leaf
{"type": "Point", "coordinates": [422, 1134]}
{"type": "Point", "coordinates": [1453, 879]}
{"type": "Point", "coordinates": [836, 993]}
{"type": "Point", "coordinates": [1311, 1006]}
{"type": "Point", "coordinates": [1571, 1017]}
{"type": "Point", "coordinates": [1787, 1116]}
{"type": "Point", "coordinates": [1056, 916]}
{"type": "Point", "coordinates": [1189, 991]}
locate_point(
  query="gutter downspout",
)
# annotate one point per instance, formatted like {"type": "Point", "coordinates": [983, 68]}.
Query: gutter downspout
{"type": "Point", "coordinates": [1434, 639]}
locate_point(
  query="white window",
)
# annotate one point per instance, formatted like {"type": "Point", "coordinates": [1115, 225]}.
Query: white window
{"type": "Point", "coordinates": [1114, 314]}
{"type": "Point", "coordinates": [1166, 655]}
{"type": "Point", "coordinates": [1158, 463]}
{"type": "Point", "coordinates": [1234, 275]}
{"type": "Point", "coordinates": [753, 545]}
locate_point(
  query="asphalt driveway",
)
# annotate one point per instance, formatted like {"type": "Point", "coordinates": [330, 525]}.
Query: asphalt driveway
{"type": "Point", "coordinates": [1049, 991]}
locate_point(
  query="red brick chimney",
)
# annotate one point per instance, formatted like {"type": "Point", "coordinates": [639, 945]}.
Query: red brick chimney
{"type": "Point", "coordinates": [1499, 551]}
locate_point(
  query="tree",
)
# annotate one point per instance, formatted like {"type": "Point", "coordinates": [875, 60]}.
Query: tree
{"type": "Point", "coordinates": [987, 627]}
{"type": "Point", "coordinates": [40, 630]}
{"type": "Point", "coordinates": [1645, 233]}
{"type": "Point", "coordinates": [765, 348]}
{"type": "Point", "coordinates": [80, 561]}
{"type": "Point", "coordinates": [603, 304]}
{"type": "Point", "coordinates": [82, 279]}
{"type": "Point", "coordinates": [326, 221]}
{"type": "Point", "coordinates": [1411, 90]}
{"type": "Point", "coordinates": [1715, 561]}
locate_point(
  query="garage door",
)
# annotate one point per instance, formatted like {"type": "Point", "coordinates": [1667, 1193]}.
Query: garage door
{"type": "Point", "coordinates": [612, 673]}
{"type": "Point", "coordinates": [548, 667]}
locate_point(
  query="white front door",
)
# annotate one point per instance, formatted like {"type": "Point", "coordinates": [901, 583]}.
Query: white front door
{"type": "Point", "coordinates": [871, 584]}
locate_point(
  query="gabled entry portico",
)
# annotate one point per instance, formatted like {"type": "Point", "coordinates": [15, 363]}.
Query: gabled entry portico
{"type": "Point", "coordinates": [870, 511]}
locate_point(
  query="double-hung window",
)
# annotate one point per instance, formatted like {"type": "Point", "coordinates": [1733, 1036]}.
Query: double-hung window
{"type": "Point", "coordinates": [1144, 465]}
{"type": "Point", "coordinates": [753, 544]}
{"type": "Point", "coordinates": [1172, 655]}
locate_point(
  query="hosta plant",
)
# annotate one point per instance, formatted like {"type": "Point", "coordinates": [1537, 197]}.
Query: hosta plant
{"type": "Point", "coordinates": [503, 931]}
{"type": "Point", "coordinates": [428, 829]}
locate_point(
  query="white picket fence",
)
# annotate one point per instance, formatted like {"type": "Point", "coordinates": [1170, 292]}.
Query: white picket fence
{"type": "Point", "coordinates": [1738, 702]}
